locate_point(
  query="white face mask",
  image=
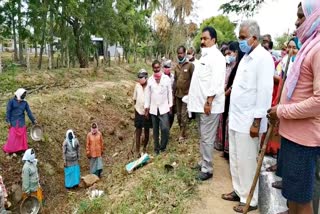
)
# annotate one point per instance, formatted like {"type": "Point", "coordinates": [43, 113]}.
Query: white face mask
{"type": "Point", "coordinates": [190, 56]}
{"type": "Point", "coordinates": [228, 59]}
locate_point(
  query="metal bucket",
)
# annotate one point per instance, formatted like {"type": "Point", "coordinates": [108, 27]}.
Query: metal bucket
{"type": "Point", "coordinates": [36, 133]}
{"type": "Point", "coordinates": [30, 205]}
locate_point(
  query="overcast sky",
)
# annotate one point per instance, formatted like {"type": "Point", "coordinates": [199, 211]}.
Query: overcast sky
{"type": "Point", "coordinates": [274, 17]}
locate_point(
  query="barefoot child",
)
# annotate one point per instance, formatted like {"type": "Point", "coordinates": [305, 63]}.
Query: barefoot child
{"type": "Point", "coordinates": [95, 150]}
{"type": "Point", "coordinates": [30, 176]}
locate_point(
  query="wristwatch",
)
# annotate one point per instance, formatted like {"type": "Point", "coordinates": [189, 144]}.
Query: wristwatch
{"type": "Point", "coordinates": [255, 124]}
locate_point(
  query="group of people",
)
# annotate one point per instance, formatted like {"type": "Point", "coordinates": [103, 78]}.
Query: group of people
{"type": "Point", "coordinates": [17, 142]}
{"type": "Point", "coordinates": [233, 92]}
{"type": "Point", "coordinates": [159, 97]}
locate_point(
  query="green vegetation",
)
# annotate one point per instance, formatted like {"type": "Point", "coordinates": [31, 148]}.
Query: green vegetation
{"type": "Point", "coordinates": [224, 27]}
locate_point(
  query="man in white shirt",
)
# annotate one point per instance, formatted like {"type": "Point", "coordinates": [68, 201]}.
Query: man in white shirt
{"type": "Point", "coordinates": [140, 121]}
{"type": "Point", "coordinates": [251, 97]}
{"type": "Point", "coordinates": [206, 97]}
{"type": "Point", "coordinates": [158, 103]}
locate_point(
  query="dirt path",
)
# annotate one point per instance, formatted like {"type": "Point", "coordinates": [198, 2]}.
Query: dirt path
{"type": "Point", "coordinates": [209, 201]}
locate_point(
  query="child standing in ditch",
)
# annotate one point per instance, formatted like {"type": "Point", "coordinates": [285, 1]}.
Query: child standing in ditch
{"type": "Point", "coordinates": [140, 121]}
{"type": "Point", "coordinates": [94, 150]}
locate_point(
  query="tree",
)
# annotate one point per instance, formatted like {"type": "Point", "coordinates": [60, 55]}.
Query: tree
{"type": "Point", "coordinates": [223, 26]}
{"type": "Point", "coordinates": [182, 9]}
{"type": "Point", "coordinates": [241, 6]}
{"type": "Point", "coordinates": [281, 40]}
{"type": "Point", "coordinates": [8, 12]}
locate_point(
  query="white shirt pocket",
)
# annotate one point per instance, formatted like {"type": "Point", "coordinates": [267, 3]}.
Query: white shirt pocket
{"type": "Point", "coordinates": [204, 72]}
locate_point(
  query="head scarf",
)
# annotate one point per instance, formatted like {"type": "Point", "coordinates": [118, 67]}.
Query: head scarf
{"type": "Point", "coordinates": [19, 93]}
{"type": "Point", "coordinates": [94, 130]}
{"type": "Point", "coordinates": [30, 156]}
{"type": "Point", "coordinates": [307, 34]}
{"type": "Point", "coordinates": [72, 141]}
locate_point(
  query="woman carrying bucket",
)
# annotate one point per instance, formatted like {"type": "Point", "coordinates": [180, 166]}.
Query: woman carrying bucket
{"type": "Point", "coordinates": [15, 117]}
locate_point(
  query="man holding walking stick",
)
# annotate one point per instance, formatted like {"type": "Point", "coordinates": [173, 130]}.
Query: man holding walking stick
{"type": "Point", "coordinates": [251, 97]}
{"type": "Point", "coordinates": [299, 113]}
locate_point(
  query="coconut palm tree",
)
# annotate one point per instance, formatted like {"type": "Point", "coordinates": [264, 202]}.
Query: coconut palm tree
{"type": "Point", "coordinates": [182, 9]}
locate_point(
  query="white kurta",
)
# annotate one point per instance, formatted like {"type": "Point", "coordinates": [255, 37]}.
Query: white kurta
{"type": "Point", "coordinates": [251, 97]}
{"type": "Point", "coordinates": [208, 80]}
{"type": "Point", "coordinates": [252, 88]}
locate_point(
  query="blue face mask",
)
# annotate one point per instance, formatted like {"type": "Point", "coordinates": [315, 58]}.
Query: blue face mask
{"type": "Point", "coordinates": [232, 59]}
{"type": "Point", "coordinates": [298, 43]}
{"type": "Point", "coordinates": [293, 58]}
{"type": "Point", "coordinates": [244, 46]}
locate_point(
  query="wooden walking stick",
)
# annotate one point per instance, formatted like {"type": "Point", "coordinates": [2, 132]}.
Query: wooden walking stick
{"type": "Point", "coordinates": [265, 142]}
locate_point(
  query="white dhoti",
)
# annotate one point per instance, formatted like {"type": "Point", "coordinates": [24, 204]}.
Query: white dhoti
{"type": "Point", "coordinates": [243, 152]}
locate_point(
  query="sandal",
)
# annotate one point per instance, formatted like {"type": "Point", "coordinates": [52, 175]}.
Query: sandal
{"type": "Point", "coordinates": [232, 196]}
{"type": "Point", "coordinates": [240, 208]}
{"type": "Point", "coordinates": [272, 168]}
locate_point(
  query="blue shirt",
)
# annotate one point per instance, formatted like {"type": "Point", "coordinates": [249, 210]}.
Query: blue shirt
{"type": "Point", "coordinates": [15, 113]}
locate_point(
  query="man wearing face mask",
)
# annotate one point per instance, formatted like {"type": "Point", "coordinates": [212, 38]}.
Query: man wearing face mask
{"type": "Point", "coordinates": [191, 55]}
{"type": "Point", "coordinates": [158, 104]}
{"type": "Point", "coordinates": [299, 114]}
{"type": "Point", "coordinates": [206, 97]}
{"type": "Point", "coordinates": [182, 78]}
{"type": "Point", "coordinates": [250, 99]}
{"type": "Point", "coordinates": [15, 117]}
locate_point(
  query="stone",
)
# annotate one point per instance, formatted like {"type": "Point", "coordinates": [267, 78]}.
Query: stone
{"type": "Point", "coordinates": [111, 131]}
{"type": "Point", "coordinates": [120, 136]}
{"type": "Point", "coordinates": [90, 179]}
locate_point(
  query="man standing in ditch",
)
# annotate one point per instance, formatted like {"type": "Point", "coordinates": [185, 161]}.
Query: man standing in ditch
{"type": "Point", "coordinates": [299, 113]}
{"type": "Point", "coordinates": [182, 78]}
{"type": "Point", "coordinates": [206, 97]}
{"type": "Point", "coordinates": [158, 104]}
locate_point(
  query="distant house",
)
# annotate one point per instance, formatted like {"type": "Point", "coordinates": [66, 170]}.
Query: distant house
{"type": "Point", "coordinates": [113, 50]}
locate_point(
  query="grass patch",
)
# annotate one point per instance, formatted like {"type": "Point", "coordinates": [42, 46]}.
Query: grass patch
{"type": "Point", "coordinates": [91, 206]}
{"type": "Point", "coordinates": [159, 190]}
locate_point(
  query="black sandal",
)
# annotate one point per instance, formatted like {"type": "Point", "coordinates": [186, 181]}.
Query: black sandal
{"type": "Point", "coordinates": [232, 196]}
{"type": "Point", "coordinates": [240, 208]}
